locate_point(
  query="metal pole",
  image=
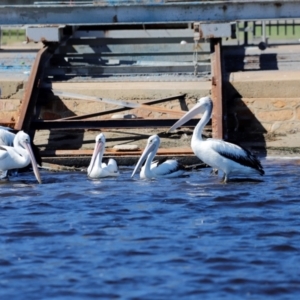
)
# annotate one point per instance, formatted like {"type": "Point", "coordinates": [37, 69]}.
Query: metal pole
{"type": "Point", "coordinates": [264, 31]}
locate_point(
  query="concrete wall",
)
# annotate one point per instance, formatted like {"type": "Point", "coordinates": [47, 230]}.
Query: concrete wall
{"type": "Point", "coordinates": [135, 92]}
{"type": "Point", "coordinates": [10, 99]}
{"type": "Point", "coordinates": [263, 106]}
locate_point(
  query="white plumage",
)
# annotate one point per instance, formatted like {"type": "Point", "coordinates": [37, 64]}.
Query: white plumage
{"type": "Point", "coordinates": [19, 155]}
{"type": "Point", "coordinates": [98, 169]}
{"type": "Point", "coordinates": [6, 137]}
{"type": "Point", "coordinates": [232, 159]}
{"type": "Point", "coordinates": [168, 168]}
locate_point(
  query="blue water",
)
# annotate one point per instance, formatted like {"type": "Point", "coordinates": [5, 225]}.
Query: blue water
{"type": "Point", "coordinates": [123, 238]}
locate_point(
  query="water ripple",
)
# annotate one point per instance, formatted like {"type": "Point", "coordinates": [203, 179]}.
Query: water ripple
{"type": "Point", "coordinates": [123, 238]}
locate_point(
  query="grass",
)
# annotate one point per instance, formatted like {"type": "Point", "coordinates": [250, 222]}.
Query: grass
{"type": "Point", "coordinates": [274, 31]}
{"type": "Point", "coordinates": [12, 36]}
{"type": "Point", "coordinates": [280, 31]}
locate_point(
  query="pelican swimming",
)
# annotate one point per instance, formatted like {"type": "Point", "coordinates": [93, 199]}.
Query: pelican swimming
{"type": "Point", "coordinates": [98, 169]}
{"type": "Point", "coordinates": [19, 155]}
{"type": "Point", "coordinates": [168, 169]}
{"type": "Point", "coordinates": [227, 157]}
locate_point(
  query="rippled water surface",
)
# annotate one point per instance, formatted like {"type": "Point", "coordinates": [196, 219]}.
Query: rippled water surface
{"type": "Point", "coordinates": [123, 238]}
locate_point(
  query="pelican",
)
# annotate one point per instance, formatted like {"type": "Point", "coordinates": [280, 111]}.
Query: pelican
{"type": "Point", "coordinates": [168, 169]}
{"type": "Point", "coordinates": [19, 155]}
{"type": "Point", "coordinates": [98, 169]}
{"type": "Point", "coordinates": [227, 157]}
{"type": "Point", "coordinates": [6, 137]}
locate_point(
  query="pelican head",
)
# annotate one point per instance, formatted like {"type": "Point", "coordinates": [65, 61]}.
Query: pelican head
{"type": "Point", "coordinates": [22, 139]}
{"type": "Point", "coordinates": [100, 138]}
{"type": "Point", "coordinates": [150, 150]}
{"type": "Point", "coordinates": [99, 149]}
{"type": "Point", "coordinates": [203, 104]}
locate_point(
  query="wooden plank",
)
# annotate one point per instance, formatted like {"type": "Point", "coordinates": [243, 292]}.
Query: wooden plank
{"type": "Point", "coordinates": [216, 90]}
{"type": "Point", "coordinates": [101, 71]}
{"type": "Point", "coordinates": [111, 151]}
{"type": "Point", "coordinates": [30, 94]}
{"type": "Point", "coordinates": [143, 13]}
{"type": "Point", "coordinates": [27, 107]}
{"type": "Point", "coordinates": [125, 58]}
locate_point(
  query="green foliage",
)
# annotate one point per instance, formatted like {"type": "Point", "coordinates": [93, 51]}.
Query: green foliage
{"type": "Point", "coordinates": [11, 36]}
{"type": "Point", "coordinates": [281, 30]}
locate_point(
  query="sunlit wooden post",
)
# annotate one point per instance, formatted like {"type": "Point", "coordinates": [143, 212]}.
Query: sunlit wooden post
{"type": "Point", "coordinates": [216, 89]}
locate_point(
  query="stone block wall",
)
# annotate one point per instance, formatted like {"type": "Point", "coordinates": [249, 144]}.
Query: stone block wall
{"type": "Point", "coordinates": [11, 91]}
{"type": "Point", "coordinates": [52, 107]}
{"type": "Point", "coordinates": [260, 105]}
{"type": "Point", "coordinates": [9, 109]}
{"type": "Point", "coordinates": [263, 106]}
{"type": "Point", "coordinates": [265, 115]}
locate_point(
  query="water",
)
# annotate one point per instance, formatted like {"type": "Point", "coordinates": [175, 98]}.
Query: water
{"type": "Point", "coordinates": [186, 238]}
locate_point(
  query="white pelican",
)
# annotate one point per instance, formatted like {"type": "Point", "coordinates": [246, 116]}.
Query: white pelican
{"type": "Point", "coordinates": [18, 156]}
{"type": "Point", "coordinates": [168, 169]}
{"type": "Point", "coordinates": [227, 157]}
{"type": "Point", "coordinates": [6, 139]}
{"type": "Point", "coordinates": [97, 169]}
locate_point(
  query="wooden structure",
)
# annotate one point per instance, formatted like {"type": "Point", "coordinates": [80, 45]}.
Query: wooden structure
{"type": "Point", "coordinates": [99, 22]}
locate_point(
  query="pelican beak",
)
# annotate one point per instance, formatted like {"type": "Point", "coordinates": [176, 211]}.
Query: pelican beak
{"type": "Point", "coordinates": [185, 118]}
{"type": "Point", "coordinates": [33, 162]}
{"type": "Point", "coordinates": [143, 157]}
{"type": "Point", "coordinates": [97, 149]}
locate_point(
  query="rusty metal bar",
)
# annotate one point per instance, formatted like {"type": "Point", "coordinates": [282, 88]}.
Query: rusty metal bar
{"type": "Point", "coordinates": [112, 111]}
{"type": "Point", "coordinates": [130, 105]}
{"type": "Point", "coordinates": [27, 107]}
{"type": "Point", "coordinates": [101, 124]}
{"type": "Point", "coordinates": [216, 90]}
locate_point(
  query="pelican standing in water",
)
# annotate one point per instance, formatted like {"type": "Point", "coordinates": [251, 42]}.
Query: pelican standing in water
{"type": "Point", "coordinates": [6, 139]}
{"type": "Point", "coordinates": [98, 169]}
{"type": "Point", "coordinates": [19, 155]}
{"type": "Point", "coordinates": [168, 169]}
{"type": "Point", "coordinates": [227, 157]}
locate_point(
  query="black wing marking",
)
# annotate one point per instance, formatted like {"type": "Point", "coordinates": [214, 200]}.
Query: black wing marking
{"type": "Point", "coordinates": [160, 161]}
{"type": "Point", "coordinates": [247, 160]}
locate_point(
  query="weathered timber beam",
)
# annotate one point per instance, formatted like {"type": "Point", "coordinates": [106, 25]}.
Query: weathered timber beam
{"type": "Point", "coordinates": [81, 152]}
{"type": "Point", "coordinates": [143, 13]}
{"type": "Point", "coordinates": [125, 69]}
{"type": "Point", "coordinates": [216, 89]}
{"type": "Point", "coordinates": [27, 107]}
